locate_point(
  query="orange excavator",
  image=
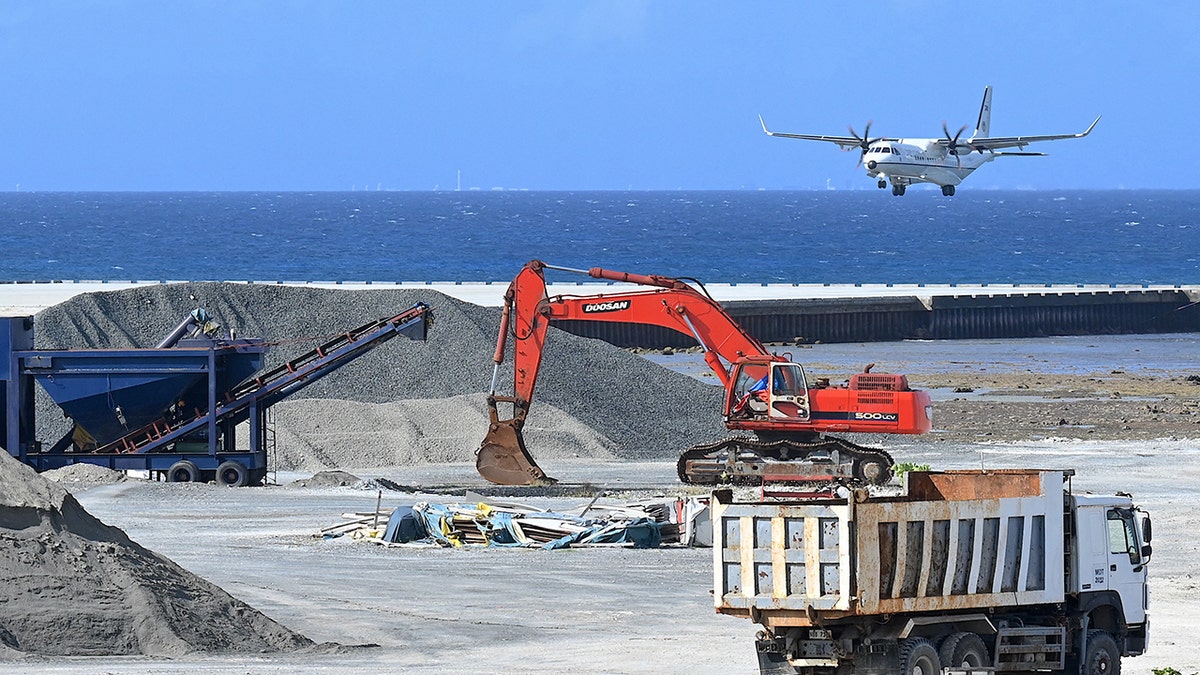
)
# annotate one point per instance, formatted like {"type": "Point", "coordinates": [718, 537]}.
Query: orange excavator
{"type": "Point", "coordinates": [780, 416]}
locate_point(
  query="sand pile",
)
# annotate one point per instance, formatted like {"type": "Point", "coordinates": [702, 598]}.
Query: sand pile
{"type": "Point", "coordinates": [71, 585]}
{"type": "Point", "coordinates": [418, 402]}
{"type": "Point", "coordinates": [85, 473]}
{"type": "Point", "coordinates": [328, 479]}
{"type": "Point", "coordinates": [313, 433]}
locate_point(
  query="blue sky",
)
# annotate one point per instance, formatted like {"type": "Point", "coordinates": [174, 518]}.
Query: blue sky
{"type": "Point", "coordinates": [245, 95]}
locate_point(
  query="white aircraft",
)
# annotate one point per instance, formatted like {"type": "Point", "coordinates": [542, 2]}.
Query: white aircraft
{"type": "Point", "coordinates": [942, 161]}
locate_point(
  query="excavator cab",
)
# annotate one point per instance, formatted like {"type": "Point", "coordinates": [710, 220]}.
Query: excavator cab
{"type": "Point", "coordinates": [768, 390]}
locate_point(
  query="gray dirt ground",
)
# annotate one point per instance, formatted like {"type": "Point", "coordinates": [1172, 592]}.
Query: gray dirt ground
{"type": "Point", "coordinates": [602, 610]}
{"type": "Point", "coordinates": [1052, 403]}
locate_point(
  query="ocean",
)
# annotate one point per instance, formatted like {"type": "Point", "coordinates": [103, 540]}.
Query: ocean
{"type": "Point", "coordinates": [999, 237]}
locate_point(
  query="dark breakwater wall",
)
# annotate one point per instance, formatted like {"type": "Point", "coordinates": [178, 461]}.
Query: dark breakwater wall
{"type": "Point", "coordinates": [938, 317]}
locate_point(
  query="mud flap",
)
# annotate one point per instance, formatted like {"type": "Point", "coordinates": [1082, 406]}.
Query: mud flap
{"type": "Point", "coordinates": [503, 459]}
{"type": "Point", "coordinates": [771, 658]}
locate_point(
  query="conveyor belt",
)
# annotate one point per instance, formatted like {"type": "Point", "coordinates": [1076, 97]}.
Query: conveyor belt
{"type": "Point", "coordinates": [276, 384]}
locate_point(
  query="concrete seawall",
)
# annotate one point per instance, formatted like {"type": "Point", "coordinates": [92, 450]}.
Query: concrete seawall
{"type": "Point", "coordinates": [808, 312]}
{"type": "Point", "coordinates": [867, 319]}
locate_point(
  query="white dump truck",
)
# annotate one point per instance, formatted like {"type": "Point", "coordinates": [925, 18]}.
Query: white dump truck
{"type": "Point", "coordinates": [1006, 570]}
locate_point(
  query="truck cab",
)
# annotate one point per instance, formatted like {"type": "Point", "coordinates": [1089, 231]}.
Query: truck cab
{"type": "Point", "coordinates": [1109, 577]}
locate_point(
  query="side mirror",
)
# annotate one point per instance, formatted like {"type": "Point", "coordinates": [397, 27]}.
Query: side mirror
{"type": "Point", "coordinates": [1146, 551]}
{"type": "Point", "coordinates": [1147, 531]}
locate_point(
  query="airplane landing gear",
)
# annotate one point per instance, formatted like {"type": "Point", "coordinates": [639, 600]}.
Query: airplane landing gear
{"type": "Point", "coordinates": [948, 190]}
{"type": "Point", "coordinates": [882, 184]}
{"type": "Point", "coordinates": [898, 190]}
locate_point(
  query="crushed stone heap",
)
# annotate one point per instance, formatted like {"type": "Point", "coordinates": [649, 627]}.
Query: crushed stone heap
{"type": "Point", "coordinates": [72, 586]}
{"type": "Point", "coordinates": [407, 402]}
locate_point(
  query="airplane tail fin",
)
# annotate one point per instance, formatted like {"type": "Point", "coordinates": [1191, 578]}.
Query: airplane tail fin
{"type": "Point", "coordinates": [983, 128]}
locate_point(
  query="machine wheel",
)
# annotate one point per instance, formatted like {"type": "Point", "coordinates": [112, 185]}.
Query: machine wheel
{"type": "Point", "coordinates": [882, 184]}
{"type": "Point", "coordinates": [1103, 657]}
{"type": "Point", "coordinates": [232, 474]}
{"type": "Point", "coordinates": [918, 657]}
{"type": "Point", "coordinates": [948, 190]}
{"type": "Point", "coordinates": [873, 471]}
{"type": "Point", "coordinates": [966, 650]}
{"type": "Point", "coordinates": [183, 471]}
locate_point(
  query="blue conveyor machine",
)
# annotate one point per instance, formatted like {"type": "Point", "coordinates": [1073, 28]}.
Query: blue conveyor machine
{"type": "Point", "coordinates": [171, 409]}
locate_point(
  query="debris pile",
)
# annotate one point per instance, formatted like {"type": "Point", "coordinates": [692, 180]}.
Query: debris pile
{"type": "Point", "coordinates": [406, 403]}
{"type": "Point", "coordinates": [646, 524]}
{"type": "Point", "coordinates": [72, 586]}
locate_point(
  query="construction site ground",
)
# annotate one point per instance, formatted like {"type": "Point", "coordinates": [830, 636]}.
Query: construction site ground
{"type": "Point", "coordinates": [1123, 419]}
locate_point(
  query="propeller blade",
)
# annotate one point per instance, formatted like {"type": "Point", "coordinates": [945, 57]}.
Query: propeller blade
{"type": "Point", "coordinates": [954, 144]}
{"type": "Point", "coordinates": [864, 141]}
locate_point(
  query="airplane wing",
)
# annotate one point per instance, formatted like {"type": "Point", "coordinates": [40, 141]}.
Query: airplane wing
{"type": "Point", "coordinates": [846, 142]}
{"type": "Point", "coordinates": [998, 142]}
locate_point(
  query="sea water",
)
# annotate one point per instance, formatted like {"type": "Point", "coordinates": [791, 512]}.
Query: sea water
{"type": "Point", "coordinates": [1073, 237]}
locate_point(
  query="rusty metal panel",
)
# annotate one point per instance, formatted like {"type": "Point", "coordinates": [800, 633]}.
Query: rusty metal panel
{"type": "Point", "coordinates": [942, 554]}
{"type": "Point", "coordinates": [782, 556]}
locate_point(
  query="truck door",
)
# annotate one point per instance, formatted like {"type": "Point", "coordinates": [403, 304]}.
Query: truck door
{"type": "Point", "coordinates": [1126, 568]}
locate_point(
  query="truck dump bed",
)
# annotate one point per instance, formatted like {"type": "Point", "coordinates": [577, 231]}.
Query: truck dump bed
{"type": "Point", "coordinates": [953, 541]}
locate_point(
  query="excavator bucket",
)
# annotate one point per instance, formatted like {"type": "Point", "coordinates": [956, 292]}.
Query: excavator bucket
{"type": "Point", "coordinates": [503, 459]}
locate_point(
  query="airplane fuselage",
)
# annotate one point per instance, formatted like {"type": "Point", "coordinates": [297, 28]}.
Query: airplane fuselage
{"type": "Point", "coordinates": [920, 160]}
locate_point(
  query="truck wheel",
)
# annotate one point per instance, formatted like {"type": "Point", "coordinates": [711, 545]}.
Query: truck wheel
{"type": "Point", "coordinates": [966, 650]}
{"type": "Point", "coordinates": [918, 657]}
{"type": "Point", "coordinates": [183, 471]}
{"type": "Point", "coordinates": [232, 474]}
{"type": "Point", "coordinates": [1103, 657]}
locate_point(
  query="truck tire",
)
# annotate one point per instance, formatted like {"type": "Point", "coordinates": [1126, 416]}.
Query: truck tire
{"type": "Point", "coordinates": [232, 474]}
{"type": "Point", "coordinates": [183, 471]}
{"type": "Point", "coordinates": [1103, 656]}
{"type": "Point", "coordinates": [918, 657]}
{"type": "Point", "coordinates": [966, 650]}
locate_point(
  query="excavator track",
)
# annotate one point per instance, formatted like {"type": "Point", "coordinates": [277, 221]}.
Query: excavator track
{"type": "Point", "coordinates": [744, 460]}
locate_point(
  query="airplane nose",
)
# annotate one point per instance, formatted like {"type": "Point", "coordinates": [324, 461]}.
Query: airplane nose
{"type": "Point", "coordinates": [872, 165]}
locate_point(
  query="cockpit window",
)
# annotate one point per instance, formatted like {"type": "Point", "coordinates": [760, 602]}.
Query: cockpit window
{"type": "Point", "coordinates": [887, 149]}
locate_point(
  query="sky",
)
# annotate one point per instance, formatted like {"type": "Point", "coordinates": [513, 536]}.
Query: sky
{"type": "Point", "coordinates": [580, 95]}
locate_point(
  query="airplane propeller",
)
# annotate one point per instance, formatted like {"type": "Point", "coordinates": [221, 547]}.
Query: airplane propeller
{"type": "Point", "coordinates": [864, 141]}
{"type": "Point", "coordinates": [954, 144]}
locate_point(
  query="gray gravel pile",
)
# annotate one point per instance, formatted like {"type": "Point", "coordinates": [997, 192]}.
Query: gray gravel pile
{"type": "Point", "coordinates": [85, 473]}
{"type": "Point", "coordinates": [327, 479]}
{"type": "Point", "coordinates": [71, 585]}
{"type": "Point", "coordinates": [592, 399]}
{"type": "Point", "coordinates": [313, 434]}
